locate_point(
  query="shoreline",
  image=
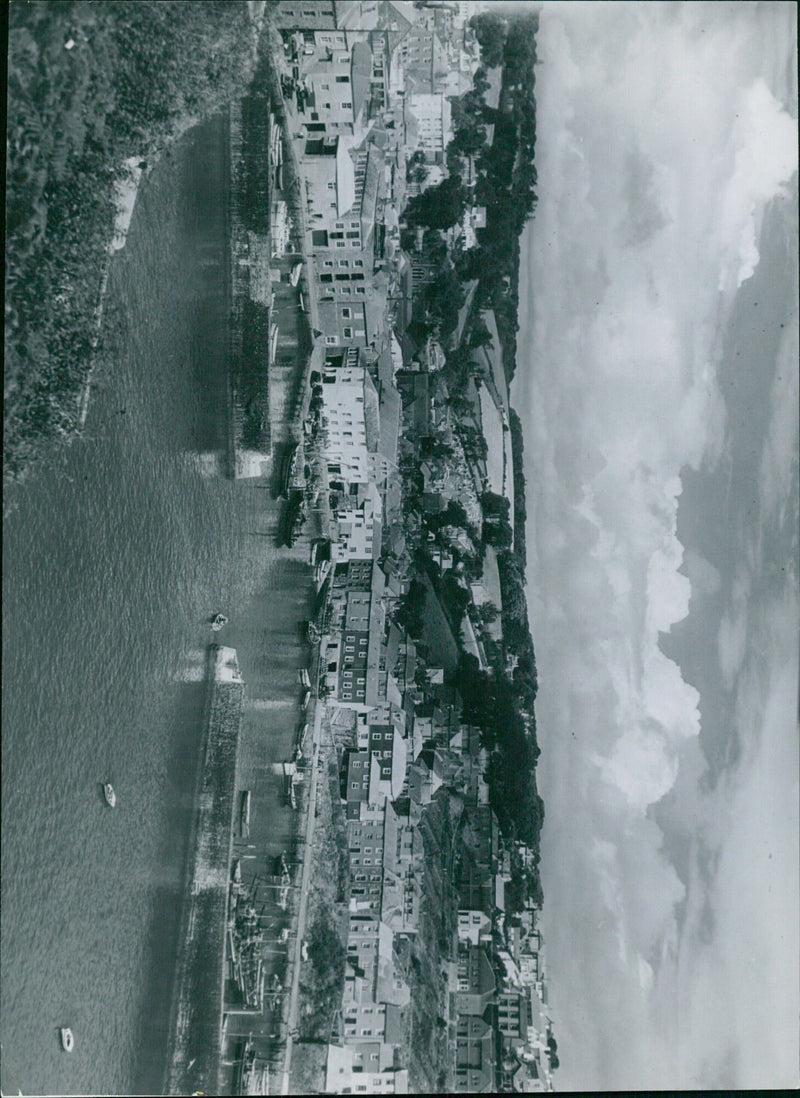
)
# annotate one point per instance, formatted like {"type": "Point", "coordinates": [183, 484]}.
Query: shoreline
{"type": "Point", "coordinates": [126, 191]}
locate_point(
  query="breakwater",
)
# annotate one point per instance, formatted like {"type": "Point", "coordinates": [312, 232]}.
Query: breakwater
{"type": "Point", "coordinates": [197, 1006]}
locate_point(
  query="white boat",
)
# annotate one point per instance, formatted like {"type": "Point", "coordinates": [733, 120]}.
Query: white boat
{"type": "Point", "coordinates": [303, 675]}
{"type": "Point", "coordinates": [218, 622]}
{"type": "Point", "coordinates": [111, 798]}
{"type": "Point", "coordinates": [294, 277]}
{"type": "Point", "coordinates": [67, 1040]}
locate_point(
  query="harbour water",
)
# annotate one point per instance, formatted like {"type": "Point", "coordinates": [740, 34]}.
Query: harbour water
{"type": "Point", "coordinates": [115, 554]}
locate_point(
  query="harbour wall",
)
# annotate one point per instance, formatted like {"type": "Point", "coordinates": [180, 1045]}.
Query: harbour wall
{"type": "Point", "coordinates": [195, 1036]}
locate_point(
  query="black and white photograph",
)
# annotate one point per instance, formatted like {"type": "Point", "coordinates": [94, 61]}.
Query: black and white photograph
{"type": "Point", "coordinates": [401, 547]}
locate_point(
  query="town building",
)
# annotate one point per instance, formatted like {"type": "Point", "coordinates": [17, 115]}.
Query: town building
{"type": "Point", "coordinates": [474, 1056]}
{"type": "Point", "coordinates": [433, 116]}
{"type": "Point", "coordinates": [475, 980]}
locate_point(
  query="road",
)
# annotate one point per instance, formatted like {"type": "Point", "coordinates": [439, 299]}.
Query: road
{"type": "Point", "coordinates": [291, 1024]}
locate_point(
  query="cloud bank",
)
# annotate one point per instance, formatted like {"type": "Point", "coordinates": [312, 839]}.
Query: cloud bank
{"type": "Point", "coordinates": [663, 133]}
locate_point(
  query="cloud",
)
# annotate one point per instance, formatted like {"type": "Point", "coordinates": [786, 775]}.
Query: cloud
{"type": "Point", "coordinates": [765, 139]}
{"type": "Point", "coordinates": [749, 968]}
{"type": "Point", "coordinates": [661, 139]}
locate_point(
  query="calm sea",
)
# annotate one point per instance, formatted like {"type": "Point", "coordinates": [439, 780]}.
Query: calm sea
{"type": "Point", "coordinates": [120, 548]}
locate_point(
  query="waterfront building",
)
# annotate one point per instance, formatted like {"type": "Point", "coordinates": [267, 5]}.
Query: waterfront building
{"type": "Point", "coordinates": [335, 68]}
{"type": "Point", "coordinates": [358, 524]}
{"type": "Point", "coordinates": [330, 181]}
{"type": "Point", "coordinates": [299, 14]}
{"type": "Point", "coordinates": [350, 420]}
{"type": "Point", "coordinates": [353, 654]}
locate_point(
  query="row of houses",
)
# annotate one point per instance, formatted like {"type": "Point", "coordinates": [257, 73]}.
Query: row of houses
{"type": "Point", "coordinates": [370, 83]}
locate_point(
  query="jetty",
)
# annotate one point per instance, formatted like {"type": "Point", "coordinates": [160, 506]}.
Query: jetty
{"type": "Point", "coordinates": [195, 1038]}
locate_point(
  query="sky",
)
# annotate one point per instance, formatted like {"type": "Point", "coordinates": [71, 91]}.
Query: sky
{"type": "Point", "coordinates": [657, 383]}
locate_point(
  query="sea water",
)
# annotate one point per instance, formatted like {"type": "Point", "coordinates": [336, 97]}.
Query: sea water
{"type": "Point", "coordinates": [115, 554]}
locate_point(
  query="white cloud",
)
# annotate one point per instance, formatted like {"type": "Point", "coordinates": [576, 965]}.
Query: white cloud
{"type": "Point", "coordinates": [651, 193]}
{"type": "Point", "coordinates": [765, 139]}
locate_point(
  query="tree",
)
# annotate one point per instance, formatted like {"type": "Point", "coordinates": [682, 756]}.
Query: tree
{"type": "Point", "coordinates": [488, 612]}
{"type": "Point", "coordinates": [438, 207]}
{"type": "Point", "coordinates": [480, 82]}
{"type": "Point", "coordinates": [443, 298]}
{"type": "Point", "coordinates": [479, 335]}
{"type": "Point", "coordinates": [490, 30]}
{"type": "Point", "coordinates": [412, 609]}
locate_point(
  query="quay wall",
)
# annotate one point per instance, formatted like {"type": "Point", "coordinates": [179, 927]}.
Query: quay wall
{"type": "Point", "coordinates": [195, 1039]}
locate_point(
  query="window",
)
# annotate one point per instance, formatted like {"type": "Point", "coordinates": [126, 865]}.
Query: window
{"type": "Point", "coordinates": [330, 340]}
{"type": "Point", "coordinates": [328, 263]}
{"type": "Point", "coordinates": [346, 313]}
{"type": "Point", "coordinates": [353, 235]}
{"type": "Point", "coordinates": [347, 106]}
{"type": "Point", "coordinates": [347, 333]}
{"type": "Point", "coordinates": [341, 244]}
{"type": "Point", "coordinates": [344, 262]}
{"type": "Point", "coordinates": [342, 79]}
{"type": "Point", "coordinates": [360, 291]}
{"type": "Point", "coordinates": [354, 225]}
{"type": "Point", "coordinates": [358, 262]}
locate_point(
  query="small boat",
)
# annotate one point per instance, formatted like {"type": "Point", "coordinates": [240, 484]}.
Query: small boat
{"type": "Point", "coordinates": [288, 468]}
{"type": "Point", "coordinates": [110, 796]}
{"type": "Point", "coordinates": [294, 277]}
{"type": "Point", "coordinates": [305, 699]}
{"type": "Point", "coordinates": [218, 621]}
{"type": "Point", "coordinates": [67, 1040]}
{"type": "Point", "coordinates": [303, 676]}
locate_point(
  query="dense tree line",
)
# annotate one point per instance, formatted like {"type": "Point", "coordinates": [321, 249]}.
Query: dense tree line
{"type": "Point", "coordinates": [520, 505]}
{"type": "Point", "coordinates": [89, 86]}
